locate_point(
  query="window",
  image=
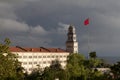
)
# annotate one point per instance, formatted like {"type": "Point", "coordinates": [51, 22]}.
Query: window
{"type": "Point", "coordinates": [53, 62]}
{"type": "Point", "coordinates": [35, 56]}
{"type": "Point", "coordinates": [65, 56]}
{"type": "Point", "coordinates": [44, 56]}
{"type": "Point", "coordinates": [60, 56]}
{"type": "Point", "coordinates": [24, 63]}
{"type": "Point", "coordinates": [48, 56]}
{"type": "Point", "coordinates": [30, 56]}
{"type": "Point", "coordinates": [30, 62]}
{"type": "Point", "coordinates": [24, 56]}
{"type": "Point", "coordinates": [39, 56]}
{"type": "Point", "coordinates": [49, 62]}
{"type": "Point", "coordinates": [60, 61]}
{"type": "Point", "coordinates": [74, 38]}
{"type": "Point", "coordinates": [65, 61]}
{"type": "Point", "coordinates": [52, 56]}
{"type": "Point", "coordinates": [19, 56]}
{"type": "Point", "coordinates": [30, 69]}
{"type": "Point", "coordinates": [56, 56]}
{"type": "Point", "coordinates": [44, 62]}
{"type": "Point", "coordinates": [35, 62]}
{"type": "Point", "coordinates": [69, 46]}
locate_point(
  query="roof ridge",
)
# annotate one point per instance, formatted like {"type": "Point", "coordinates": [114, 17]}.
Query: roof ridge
{"type": "Point", "coordinates": [45, 49]}
{"type": "Point", "coordinates": [21, 48]}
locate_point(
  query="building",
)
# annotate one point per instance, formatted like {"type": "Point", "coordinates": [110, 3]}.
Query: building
{"type": "Point", "coordinates": [103, 70]}
{"type": "Point", "coordinates": [71, 43]}
{"type": "Point", "coordinates": [31, 58]}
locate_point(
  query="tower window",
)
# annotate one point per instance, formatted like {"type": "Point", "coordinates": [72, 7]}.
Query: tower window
{"type": "Point", "coordinates": [74, 38]}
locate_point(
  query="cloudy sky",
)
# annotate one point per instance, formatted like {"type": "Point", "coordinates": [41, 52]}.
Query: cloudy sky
{"type": "Point", "coordinates": [36, 23]}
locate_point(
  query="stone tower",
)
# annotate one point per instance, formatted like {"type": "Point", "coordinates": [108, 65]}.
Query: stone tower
{"type": "Point", "coordinates": [71, 43]}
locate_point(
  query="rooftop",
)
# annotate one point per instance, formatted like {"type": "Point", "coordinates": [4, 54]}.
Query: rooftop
{"type": "Point", "coordinates": [41, 49]}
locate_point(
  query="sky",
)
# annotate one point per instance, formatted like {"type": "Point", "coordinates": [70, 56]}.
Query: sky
{"type": "Point", "coordinates": [44, 23]}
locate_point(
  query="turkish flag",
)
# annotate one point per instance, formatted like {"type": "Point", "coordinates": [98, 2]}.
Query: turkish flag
{"type": "Point", "coordinates": [86, 22]}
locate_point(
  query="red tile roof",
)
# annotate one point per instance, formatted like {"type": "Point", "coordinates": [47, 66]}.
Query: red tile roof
{"type": "Point", "coordinates": [41, 49]}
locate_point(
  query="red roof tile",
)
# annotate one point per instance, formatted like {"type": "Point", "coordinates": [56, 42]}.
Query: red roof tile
{"type": "Point", "coordinates": [41, 49]}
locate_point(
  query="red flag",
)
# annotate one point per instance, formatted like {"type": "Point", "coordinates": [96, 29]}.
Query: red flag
{"type": "Point", "coordinates": [86, 22]}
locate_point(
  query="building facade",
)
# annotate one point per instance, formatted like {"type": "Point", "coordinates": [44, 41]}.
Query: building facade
{"type": "Point", "coordinates": [31, 58]}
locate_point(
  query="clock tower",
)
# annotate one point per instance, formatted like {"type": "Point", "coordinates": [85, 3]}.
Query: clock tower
{"type": "Point", "coordinates": [71, 43]}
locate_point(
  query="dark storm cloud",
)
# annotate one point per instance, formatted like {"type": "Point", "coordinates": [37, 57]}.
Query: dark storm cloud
{"type": "Point", "coordinates": [44, 23]}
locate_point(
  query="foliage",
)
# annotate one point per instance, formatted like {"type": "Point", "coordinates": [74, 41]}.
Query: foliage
{"type": "Point", "coordinates": [115, 70]}
{"type": "Point", "coordinates": [92, 55]}
{"type": "Point", "coordinates": [93, 63]}
{"type": "Point", "coordinates": [35, 75]}
{"type": "Point", "coordinates": [10, 68]}
{"type": "Point", "coordinates": [77, 68]}
{"type": "Point", "coordinates": [81, 69]}
{"type": "Point", "coordinates": [49, 73]}
{"type": "Point", "coordinates": [54, 71]}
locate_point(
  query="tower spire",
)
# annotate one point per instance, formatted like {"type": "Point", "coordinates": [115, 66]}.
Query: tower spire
{"type": "Point", "coordinates": [71, 43]}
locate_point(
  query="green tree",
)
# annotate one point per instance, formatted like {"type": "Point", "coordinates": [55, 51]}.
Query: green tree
{"type": "Point", "coordinates": [81, 69]}
{"type": "Point", "coordinates": [94, 61]}
{"type": "Point", "coordinates": [49, 73]}
{"type": "Point", "coordinates": [92, 55]}
{"type": "Point", "coordinates": [10, 67]}
{"type": "Point", "coordinates": [115, 70]}
{"type": "Point", "coordinates": [35, 75]}
{"type": "Point", "coordinates": [76, 68]}
{"type": "Point", "coordinates": [54, 71]}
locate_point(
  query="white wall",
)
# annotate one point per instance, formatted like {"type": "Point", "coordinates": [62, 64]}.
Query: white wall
{"type": "Point", "coordinates": [30, 60]}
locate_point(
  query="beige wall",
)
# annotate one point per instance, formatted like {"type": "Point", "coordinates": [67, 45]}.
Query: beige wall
{"type": "Point", "coordinates": [30, 60]}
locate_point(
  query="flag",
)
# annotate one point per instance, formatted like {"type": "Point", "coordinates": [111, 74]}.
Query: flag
{"type": "Point", "coordinates": [86, 22]}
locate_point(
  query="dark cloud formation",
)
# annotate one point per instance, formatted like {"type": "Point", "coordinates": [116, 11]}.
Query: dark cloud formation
{"type": "Point", "coordinates": [35, 23]}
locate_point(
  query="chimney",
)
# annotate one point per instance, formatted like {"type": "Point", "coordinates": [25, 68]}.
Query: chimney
{"type": "Point", "coordinates": [32, 49]}
{"type": "Point", "coordinates": [56, 50]}
{"type": "Point", "coordinates": [40, 50]}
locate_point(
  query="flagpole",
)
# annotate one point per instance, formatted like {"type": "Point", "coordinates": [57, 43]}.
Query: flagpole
{"type": "Point", "coordinates": [86, 23]}
{"type": "Point", "coordinates": [88, 42]}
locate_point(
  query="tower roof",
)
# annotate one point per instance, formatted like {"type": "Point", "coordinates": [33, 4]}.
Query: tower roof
{"type": "Point", "coordinates": [71, 26]}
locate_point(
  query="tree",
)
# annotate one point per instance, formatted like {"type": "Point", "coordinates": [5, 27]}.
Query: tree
{"type": "Point", "coordinates": [81, 69]}
{"type": "Point", "coordinates": [94, 61]}
{"type": "Point", "coordinates": [115, 70]}
{"type": "Point", "coordinates": [54, 71]}
{"type": "Point", "coordinates": [10, 67]}
{"type": "Point", "coordinates": [92, 55]}
{"type": "Point", "coordinates": [76, 68]}
{"type": "Point", "coordinates": [35, 75]}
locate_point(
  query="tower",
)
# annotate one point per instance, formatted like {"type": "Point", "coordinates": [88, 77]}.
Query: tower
{"type": "Point", "coordinates": [71, 43]}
